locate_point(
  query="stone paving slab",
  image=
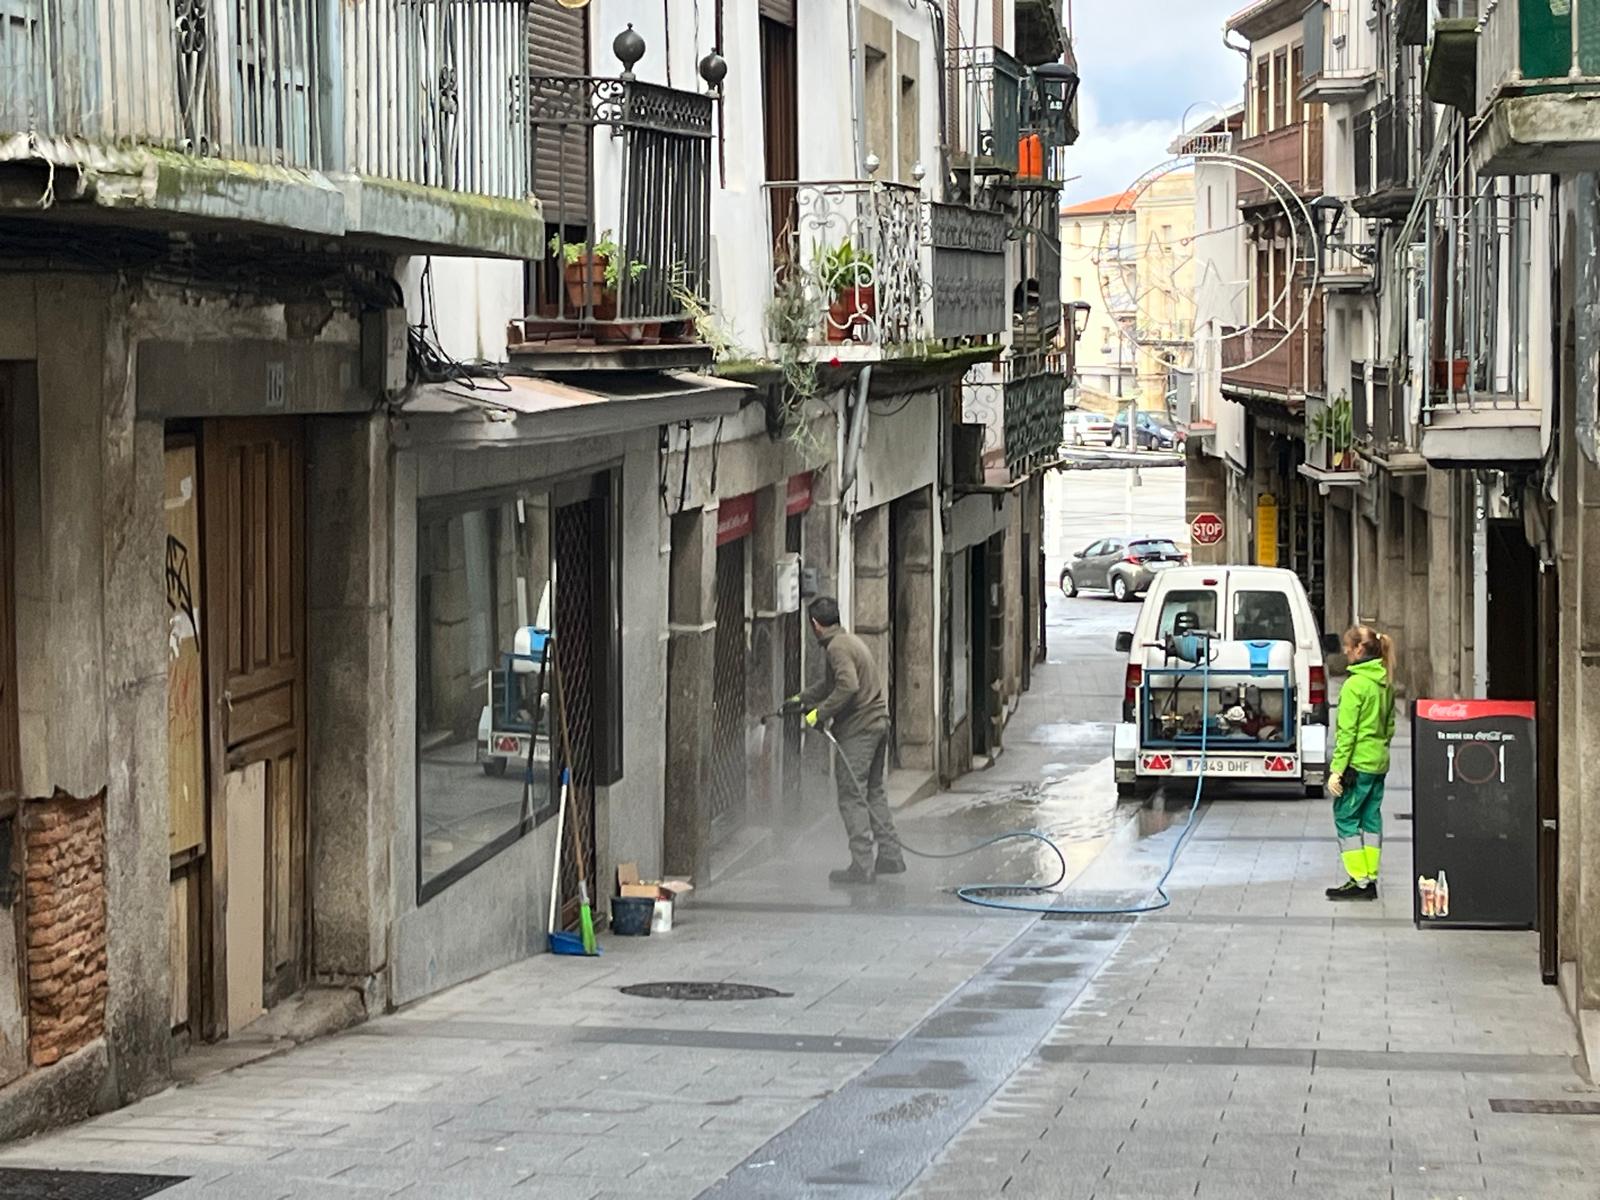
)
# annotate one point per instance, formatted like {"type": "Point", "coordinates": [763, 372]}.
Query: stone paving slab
{"type": "Point", "coordinates": [1251, 1042]}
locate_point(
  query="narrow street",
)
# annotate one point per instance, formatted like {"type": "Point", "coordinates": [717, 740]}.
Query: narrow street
{"type": "Point", "coordinates": [1244, 1042]}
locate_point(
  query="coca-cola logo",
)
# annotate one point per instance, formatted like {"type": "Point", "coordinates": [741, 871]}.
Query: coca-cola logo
{"type": "Point", "coordinates": [1447, 712]}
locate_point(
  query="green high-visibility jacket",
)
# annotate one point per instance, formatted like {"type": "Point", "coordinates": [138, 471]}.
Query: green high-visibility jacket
{"type": "Point", "coordinates": [1366, 720]}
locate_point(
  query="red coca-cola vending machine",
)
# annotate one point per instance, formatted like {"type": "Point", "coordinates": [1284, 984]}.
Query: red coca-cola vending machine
{"type": "Point", "coordinates": [1474, 779]}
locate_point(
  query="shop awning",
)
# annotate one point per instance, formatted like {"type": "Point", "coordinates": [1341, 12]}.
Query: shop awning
{"type": "Point", "coordinates": [526, 410]}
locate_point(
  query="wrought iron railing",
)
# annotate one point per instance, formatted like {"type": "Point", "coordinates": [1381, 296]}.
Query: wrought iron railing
{"type": "Point", "coordinates": [1391, 425]}
{"type": "Point", "coordinates": [1537, 42]}
{"type": "Point", "coordinates": [848, 264]}
{"type": "Point", "coordinates": [422, 91]}
{"type": "Point", "coordinates": [1220, 142]}
{"type": "Point", "coordinates": [1360, 405]}
{"type": "Point", "coordinates": [1393, 160]}
{"type": "Point", "coordinates": [1361, 137]}
{"type": "Point", "coordinates": [1034, 408]}
{"type": "Point", "coordinates": [968, 271]}
{"type": "Point", "coordinates": [1036, 302]}
{"type": "Point", "coordinates": [986, 84]}
{"type": "Point", "coordinates": [629, 168]}
{"type": "Point", "coordinates": [1479, 339]}
{"type": "Point", "coordinates": [436, 92]}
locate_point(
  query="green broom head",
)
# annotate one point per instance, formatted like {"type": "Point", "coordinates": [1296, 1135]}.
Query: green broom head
{"type": "Point", "coordinates": [585, 919]}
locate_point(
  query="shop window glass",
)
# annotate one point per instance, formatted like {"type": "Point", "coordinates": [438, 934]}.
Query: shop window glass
{"type": "Point", "coordinates": [485, 607]}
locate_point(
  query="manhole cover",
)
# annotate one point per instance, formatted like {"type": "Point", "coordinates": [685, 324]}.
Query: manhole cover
{"type": "Point", "coordinates": [704, 991]}
{"type": "Point", "coordinates": [1547, 1108]}
{"type": "Point", "coordinates": [17, 1183]}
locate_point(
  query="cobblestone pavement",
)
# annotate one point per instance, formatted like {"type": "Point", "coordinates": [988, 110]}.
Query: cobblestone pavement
{"type": "Point", "coordinates": [1255, 1041]}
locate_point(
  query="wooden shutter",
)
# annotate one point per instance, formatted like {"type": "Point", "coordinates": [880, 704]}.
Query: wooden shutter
{"type": "Point", "coordinates": [781, 11]}
{"type": "Point", "coordinates": [558, 44]}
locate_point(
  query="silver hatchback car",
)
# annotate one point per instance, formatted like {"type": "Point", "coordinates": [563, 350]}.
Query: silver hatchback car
{"type": "Point", "coordinates": [1122, 566]}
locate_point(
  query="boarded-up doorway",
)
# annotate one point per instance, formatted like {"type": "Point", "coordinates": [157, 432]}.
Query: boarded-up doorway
{"type": "Point", "coordinates": [252, 621]}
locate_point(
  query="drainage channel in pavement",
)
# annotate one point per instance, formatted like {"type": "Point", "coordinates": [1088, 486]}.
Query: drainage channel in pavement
{"type": "Point", "coordinates": [17, 1183]}
{"type": "Point", "coordinates": [875, 1135]}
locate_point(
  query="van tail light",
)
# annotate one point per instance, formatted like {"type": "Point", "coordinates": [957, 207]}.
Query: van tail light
{"type": "Point", "coordinates": [1318, 692]}
{"type": "Point", "coordinates": [1130, 690]}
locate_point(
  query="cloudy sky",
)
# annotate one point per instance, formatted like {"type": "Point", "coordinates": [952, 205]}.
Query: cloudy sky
{"type": "Point", "coordinates": [1143, 63]}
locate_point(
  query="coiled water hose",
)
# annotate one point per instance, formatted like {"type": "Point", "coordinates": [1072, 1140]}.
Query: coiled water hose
{"type": "Point", "coordinates": [983, 894]}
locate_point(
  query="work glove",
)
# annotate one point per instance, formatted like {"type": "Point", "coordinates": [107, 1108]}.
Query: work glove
{"type": "Point", "coordinates": [810, 719]}
{"type": "Point", "coordinates": [1336, 784]}
{"type": "Point", "coordinates": [791, 705]}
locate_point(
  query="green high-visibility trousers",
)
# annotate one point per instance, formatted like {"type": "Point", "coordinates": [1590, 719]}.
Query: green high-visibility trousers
{"type": "Point", "coordinates": [1358, 820]}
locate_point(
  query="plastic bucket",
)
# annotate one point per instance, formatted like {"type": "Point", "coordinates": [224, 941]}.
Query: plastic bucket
{"type": "Point", "coordinates": [630, 915]}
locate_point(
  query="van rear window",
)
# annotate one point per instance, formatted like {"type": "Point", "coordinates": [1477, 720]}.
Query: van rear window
{"type": "Point", "coordinates": [1260, 616]}
{"type": "Point", "coordinates": [1199, 605]}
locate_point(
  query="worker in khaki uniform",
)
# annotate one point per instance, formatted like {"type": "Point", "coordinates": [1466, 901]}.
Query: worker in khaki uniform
{"type": "Point", "coordinates": [851, 697]}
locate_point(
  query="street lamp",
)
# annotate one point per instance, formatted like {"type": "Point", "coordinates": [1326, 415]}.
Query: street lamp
{"type": "Point", "coordinates": [1328, 214]}
{"type": "Point", "coordinates": [1078, 310]}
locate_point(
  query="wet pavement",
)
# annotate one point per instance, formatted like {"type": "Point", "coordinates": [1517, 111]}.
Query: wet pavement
{"type": "Point", "coordinates": [545, 1079]}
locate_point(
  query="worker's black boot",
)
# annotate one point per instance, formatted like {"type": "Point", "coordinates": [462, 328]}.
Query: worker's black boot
{"type": "Point", "coordinates": [850, 874]}
{"type": "Point", "coordinates": [889, 866]}
{"type": "Point", "coordinates": [1351, 890]}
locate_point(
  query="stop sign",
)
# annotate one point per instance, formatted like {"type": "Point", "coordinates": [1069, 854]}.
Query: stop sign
{"type": "Point", "coordinates": [1206, 529]}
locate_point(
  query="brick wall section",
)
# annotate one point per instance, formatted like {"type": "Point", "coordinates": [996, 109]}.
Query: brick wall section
{"type": "Point", "coordinates": [65, 880]}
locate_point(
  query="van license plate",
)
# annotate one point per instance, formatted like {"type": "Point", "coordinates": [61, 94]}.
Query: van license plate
{"type": "Point", "coordinates": [1274, 767]}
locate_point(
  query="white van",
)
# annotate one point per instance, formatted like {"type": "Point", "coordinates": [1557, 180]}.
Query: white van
{"type": "Point", "coordinates": [1260, 700]}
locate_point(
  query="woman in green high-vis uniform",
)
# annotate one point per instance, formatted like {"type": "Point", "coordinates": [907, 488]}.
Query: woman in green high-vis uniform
{"type": "Point", "coordinates": [1361, 760]}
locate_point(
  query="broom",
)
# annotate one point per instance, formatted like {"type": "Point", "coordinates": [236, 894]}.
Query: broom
{"type": "Point", "coordinates": [585, 914]}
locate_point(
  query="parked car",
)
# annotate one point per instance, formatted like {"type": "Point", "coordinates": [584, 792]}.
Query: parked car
{"type": "Point", "coordinates": [1248, 699]}
{"type": "Point", "coordinates": [1122, 566]}
{"type": "Point", "coordinates": [1153, 432]}
{"type": "Point", "coordinates": [1085, 428]}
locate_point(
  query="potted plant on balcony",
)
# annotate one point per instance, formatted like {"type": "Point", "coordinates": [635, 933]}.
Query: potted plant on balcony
{"type": "Point", "coordinates": [1450, 374]}
{"type": "Point", "coordinates": [591, 275]}
{"type": "Point", "coordinates": [1333, 429]}
{"type": "Point", "coordinates": [847, 279]}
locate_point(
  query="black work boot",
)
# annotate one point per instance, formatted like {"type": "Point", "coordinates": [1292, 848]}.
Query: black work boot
{"type": "Point", "coordinates": [1351, 890]}
{"type": "Point", "coordinates": [889, 866]}
{"type": "Point", "coordinates": [850, 874]}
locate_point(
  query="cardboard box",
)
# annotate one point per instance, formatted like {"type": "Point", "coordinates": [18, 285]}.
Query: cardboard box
{"type": "Point", "coordinates": [629, 884]}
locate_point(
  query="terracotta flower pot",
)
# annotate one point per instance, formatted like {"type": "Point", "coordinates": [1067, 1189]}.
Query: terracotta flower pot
{"type": "Point", "coordinates": [851, 307]}
{"type": "Point", "coordinates": [585, 280]}
{"type": "Point", "coordinates": [1450, 373]}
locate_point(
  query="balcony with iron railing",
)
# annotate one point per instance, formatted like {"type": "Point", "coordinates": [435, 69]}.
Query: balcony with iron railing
{"type": "Point", "coordinates": [1293, 153]}
{"type": "Point", "coordinates": [986, 90]}
{"type": "Point", "coordinates": [1036, 301]}
{"type": "Point", "coordinates": [1392, 142]}
{"type": "Point", "coordinates": [1268, 360]}
{"type": "Point", "coordinates": [847, 269]}
{"type": "Point", "coordinates": [1340, 53]}
{"type": "Point", "coordinates": [1538, 80]}
{"type": "Point", "coordinates": [970, 298]}
{"type": "Point", "coordinates": [398, 123]}
{"type": "Point", "coordinates": [1481, 394]}
{"type": "Point", "coordinates": [628, 169]}
{"type": "Point", "coordinates": [1034, 407]}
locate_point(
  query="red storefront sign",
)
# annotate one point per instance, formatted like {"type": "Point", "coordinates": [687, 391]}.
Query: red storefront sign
{"type": "Point", "coordinates": [799, 497]}
{"type": "Point", "coordinates": [736, 517]}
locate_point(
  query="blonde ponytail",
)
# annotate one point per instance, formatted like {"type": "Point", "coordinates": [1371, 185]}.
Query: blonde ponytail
{"type": "Point", "coordinates": [1367, 643]}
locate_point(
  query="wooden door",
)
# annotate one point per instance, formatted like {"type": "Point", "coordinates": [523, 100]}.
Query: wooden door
{"type": "Point", "coordinates": [253, 504]}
